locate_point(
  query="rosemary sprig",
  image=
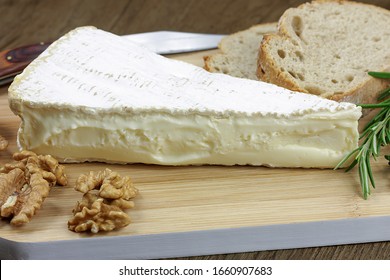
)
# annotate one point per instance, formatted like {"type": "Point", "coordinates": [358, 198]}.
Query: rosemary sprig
{"type": "Point", "coordinates": [375, 135]}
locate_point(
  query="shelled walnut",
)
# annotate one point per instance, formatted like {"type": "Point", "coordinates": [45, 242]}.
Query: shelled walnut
{"type": "Point", "coordinates": [3, 143]}
{"type": "Point", "coordinates": [94, 214]}
{"type": "Point", "coordinates": [106, 195]}
{"type": "Point", "coordinates": [25, 183]}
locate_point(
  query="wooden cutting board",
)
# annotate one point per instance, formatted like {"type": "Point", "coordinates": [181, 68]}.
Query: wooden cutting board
{"type": "Point", "coordinates": [184, 211]}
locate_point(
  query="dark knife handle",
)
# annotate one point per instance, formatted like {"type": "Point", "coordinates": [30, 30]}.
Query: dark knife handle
{"type": "Point", "coordinates": [12, 62]}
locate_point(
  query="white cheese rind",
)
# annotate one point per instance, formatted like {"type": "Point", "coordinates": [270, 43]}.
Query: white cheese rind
{"type": "Point", "coordinates": [93, 95]}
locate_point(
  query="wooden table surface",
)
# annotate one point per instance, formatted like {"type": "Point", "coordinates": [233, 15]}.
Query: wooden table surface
{"type": "Point", "coordinates": [29, 21]}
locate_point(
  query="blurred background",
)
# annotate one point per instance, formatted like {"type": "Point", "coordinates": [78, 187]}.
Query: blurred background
{"type": "Point", "coordinates": [31, 21]}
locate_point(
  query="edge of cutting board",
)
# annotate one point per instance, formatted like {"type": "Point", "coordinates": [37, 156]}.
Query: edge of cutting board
{"type": "Point", "coordinates": [221, 241]}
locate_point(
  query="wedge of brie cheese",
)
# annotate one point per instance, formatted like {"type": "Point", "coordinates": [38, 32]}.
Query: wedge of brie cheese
{"type": "Point", "coordinates": [94, 96]}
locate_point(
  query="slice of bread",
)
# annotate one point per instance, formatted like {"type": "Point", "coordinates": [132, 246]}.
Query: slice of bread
{"type": "Point", "coordinates": [326, 48]}
{"type": "Point", "coordinates": [239, 51]}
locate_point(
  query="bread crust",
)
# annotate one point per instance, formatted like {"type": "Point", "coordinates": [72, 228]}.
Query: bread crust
{"type": "Point", "coordinates": [269, 72]}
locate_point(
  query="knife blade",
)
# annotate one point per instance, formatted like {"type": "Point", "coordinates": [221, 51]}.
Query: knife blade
{"type": "Point", "coordinates": [12, 62]}
{"type": "Point", "coordinates": [173, 42]}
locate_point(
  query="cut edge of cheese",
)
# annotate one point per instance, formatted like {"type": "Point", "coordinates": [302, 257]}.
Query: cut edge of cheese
{"type": "Point", "coordinates": [94, 96]}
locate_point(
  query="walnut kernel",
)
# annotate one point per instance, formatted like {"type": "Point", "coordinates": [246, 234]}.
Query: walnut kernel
{"type": "Point", "coordinates": [106, 195]}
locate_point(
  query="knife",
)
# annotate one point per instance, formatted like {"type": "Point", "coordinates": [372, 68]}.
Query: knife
{"type": "Point", "coordinates": [12, 62]}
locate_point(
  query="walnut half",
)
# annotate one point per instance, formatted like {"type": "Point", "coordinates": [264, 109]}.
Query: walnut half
{"type": "Point", "coordinates": [106, 195]}
{"type": "Point", "coordinates": [26, 183]}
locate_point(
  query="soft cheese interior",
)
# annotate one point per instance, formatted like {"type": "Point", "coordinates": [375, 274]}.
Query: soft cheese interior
{"type": "Point", "coordinates": [94, 96]}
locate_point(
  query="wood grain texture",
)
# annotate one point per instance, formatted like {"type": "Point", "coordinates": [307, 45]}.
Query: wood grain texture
{"type": "Point", "coordinates": [29, 21]}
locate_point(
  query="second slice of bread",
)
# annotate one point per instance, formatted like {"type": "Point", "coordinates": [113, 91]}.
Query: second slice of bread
{"type": "Point", "coordinates": [239, 51]}
{"type": "Point", "coordinates": [326, 48]}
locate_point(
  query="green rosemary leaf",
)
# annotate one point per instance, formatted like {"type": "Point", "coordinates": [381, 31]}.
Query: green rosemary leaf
{"type": "Point", "coordinates": [374, 146]}
{"type": "Point", "coordinates": [367, 130]}
{"type": "Point", "coordinates": [364, 178]}
{"type": "Point", "coordinates": [369, 170]}
{"type": "Point", "coordinates": [353, 164]}
{"type": "Point", "coordinates": [383, 137]}
{"type": "Point", "coordinates": [372, 106]}
{"type": "Point", "coordinates": [344, 160]}
{"type": "Point", "coordinates": [387, 132]}
{"type": "Point", "coordinates": [384, 94]}
{"type": "Point", "coordinates": [381, 75]}
{"type": "Point", "coordinates": [380, 116]}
